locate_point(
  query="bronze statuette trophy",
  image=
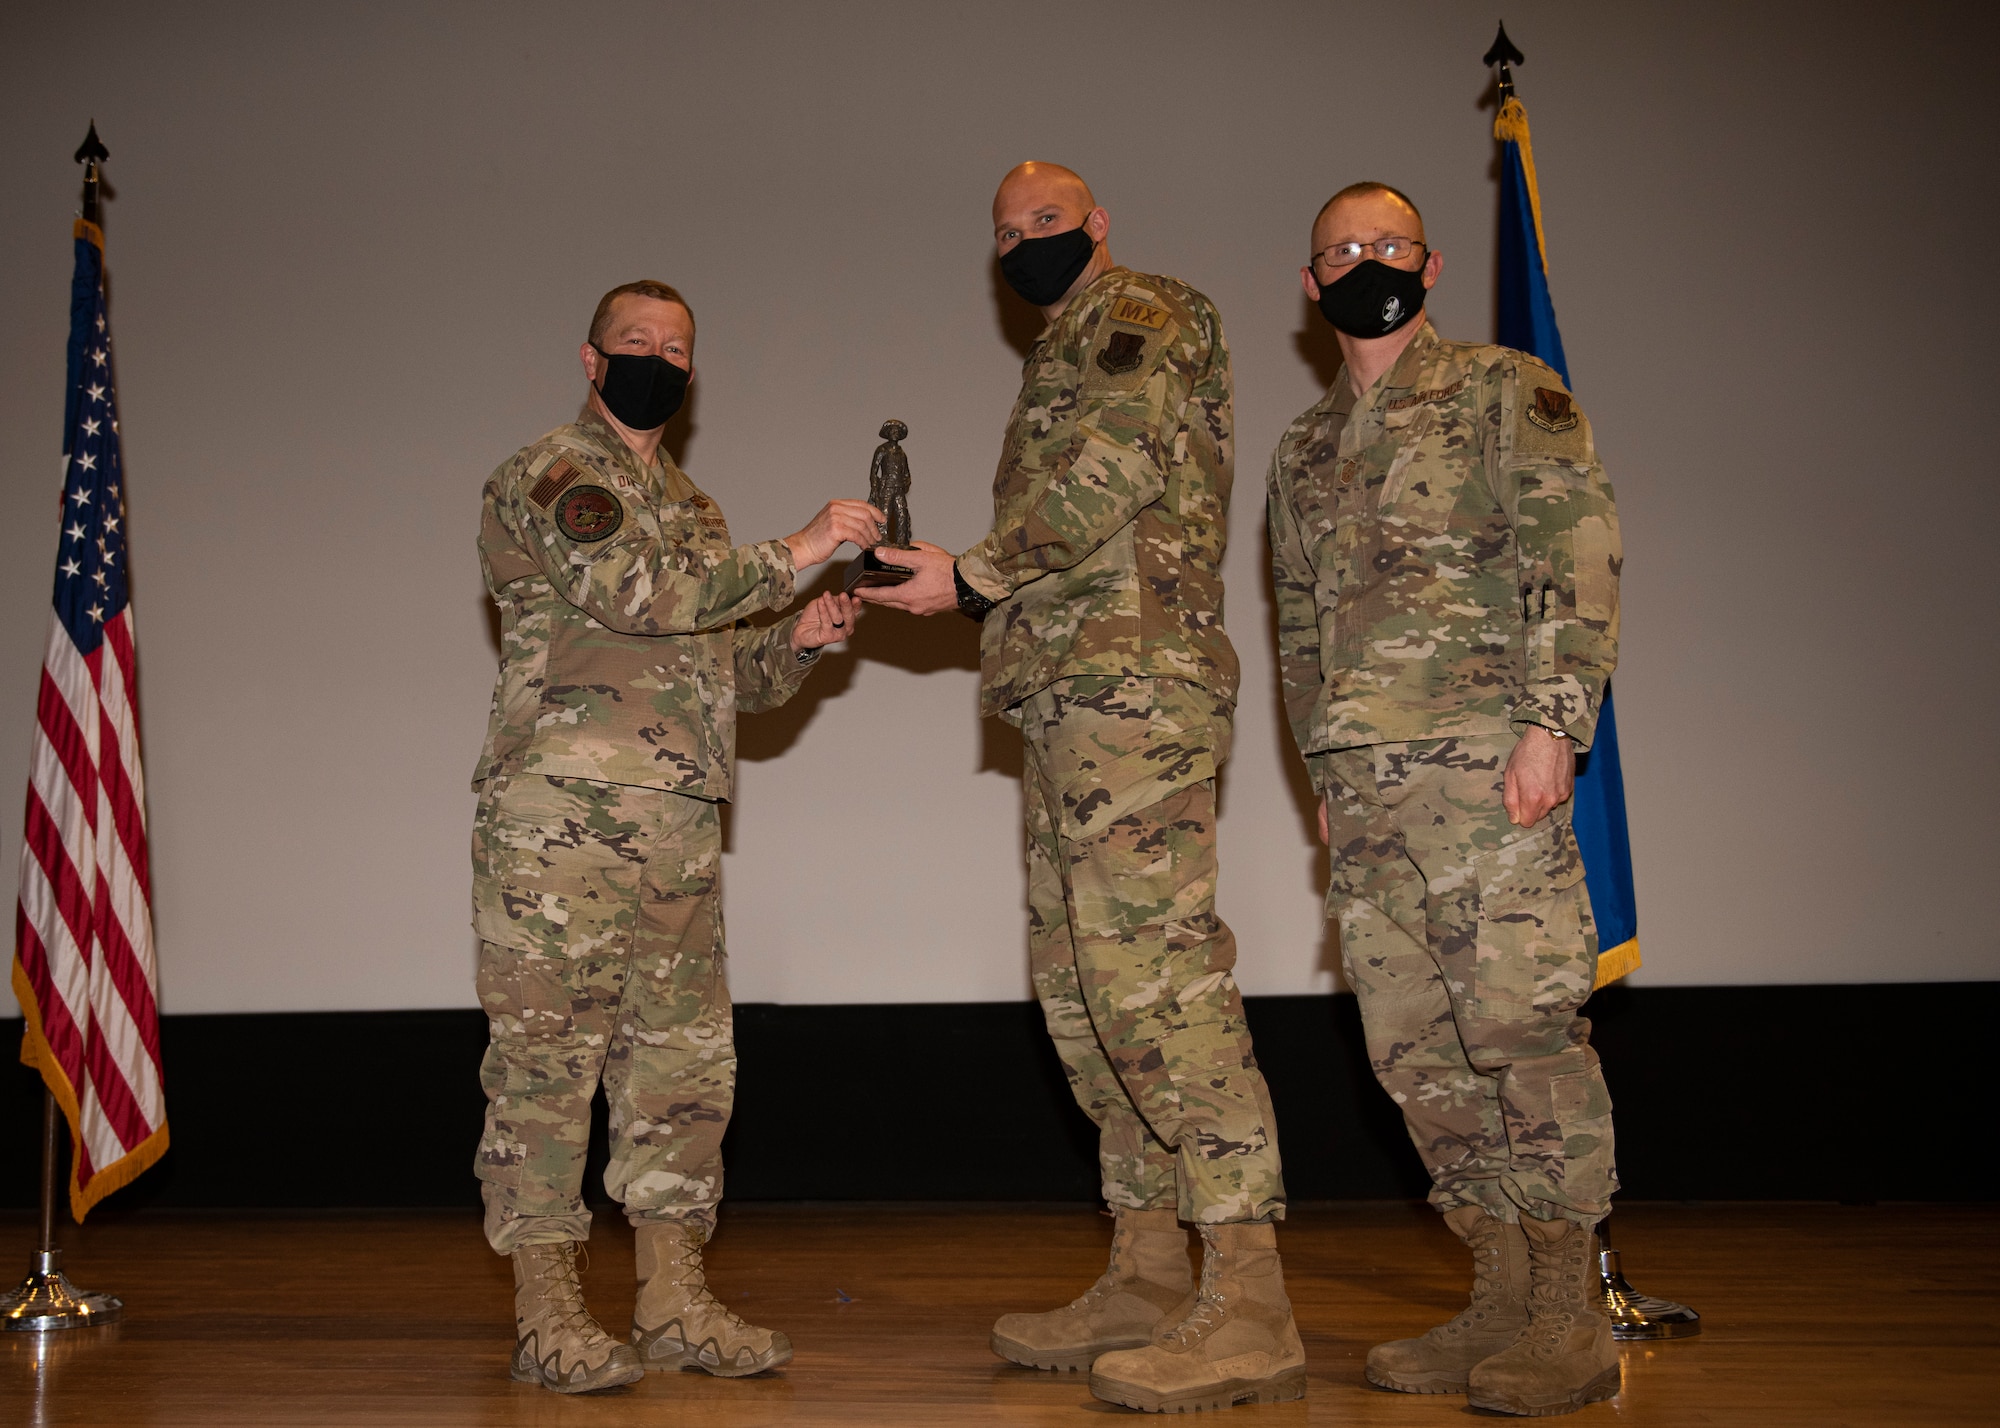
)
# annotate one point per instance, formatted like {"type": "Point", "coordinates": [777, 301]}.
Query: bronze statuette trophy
{"type": "Point", "coordinates": [888, 491]}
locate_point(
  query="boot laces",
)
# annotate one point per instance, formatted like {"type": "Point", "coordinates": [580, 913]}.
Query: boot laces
{"type": "Point", "coordinates": [1552, 1302]}
{"type": "Point", "coordinates": [1107, 1284]}
{"type": "Point", "coordinates": [1486, 1276]}
{"type": "Point", "coordinates": [689, 1275]}
{"type": "Point", "coordinates": [1211, 1306]}
{"type": "Point", "coordinates": [563, 1292]}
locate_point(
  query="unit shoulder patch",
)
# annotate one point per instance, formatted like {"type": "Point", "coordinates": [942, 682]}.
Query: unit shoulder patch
{"type": "Point", "coordinates": [554, 482]}
{"type": "Point", "coordinates": [1138, 314]}
{"type": "Point", "coordinates": [1552, 411]}
{"type": "Point", "coordinates": [589, 513]}
{"type": "Point", "coordinates": [1122, 354]}
{"type": "Point", "coordinates": [1549, 427]}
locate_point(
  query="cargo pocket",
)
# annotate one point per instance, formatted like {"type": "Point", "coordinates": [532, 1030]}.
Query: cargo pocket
{"type": "Point", "coordinates": [1121, 786]}
{"type": "Point", "coordinates": [530, 919]}
{"type": "Point", "coordinates": [1536, 951]}
{"type": "Point", "coordinates": [525, 995]}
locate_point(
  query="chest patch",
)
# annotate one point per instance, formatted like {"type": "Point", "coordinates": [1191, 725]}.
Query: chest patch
{"type": "Point", "coordinates": [554, 482]}
{"type": "Point", "coordinates": [1552, 411]}
{"type": "Point", "coordinates": [589, 513]}
{"type": "Point", "coordinates": [1137, 313]}
{"type": "Point", "coordinates": [1122, 353]}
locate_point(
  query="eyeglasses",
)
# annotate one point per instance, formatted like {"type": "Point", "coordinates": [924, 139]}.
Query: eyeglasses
{"type": "Point", "coordinates": [1388, 250]}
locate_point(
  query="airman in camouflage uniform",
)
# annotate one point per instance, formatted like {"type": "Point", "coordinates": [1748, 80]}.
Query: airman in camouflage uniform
{"type": "Point", "coordinates": [597, 846]}
{"type": "Point", "coordinates": [1446, 556]}
{"type": "Point", "coordinates": [1099, 590]}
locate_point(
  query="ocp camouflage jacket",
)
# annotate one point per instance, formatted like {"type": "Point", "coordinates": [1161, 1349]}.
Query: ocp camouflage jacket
{"type": "Point", "coordinates": [1445, 552]}
{"type": "Point", "coordinates": [1111, 502]}
{"type": "Point", "coordinates": [622, 655]}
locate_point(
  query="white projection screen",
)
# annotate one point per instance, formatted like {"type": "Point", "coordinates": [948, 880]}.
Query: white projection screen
{"type": "Point", "coordinates": [353, 250]}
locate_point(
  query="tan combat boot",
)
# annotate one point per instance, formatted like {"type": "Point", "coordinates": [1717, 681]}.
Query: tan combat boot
{"type": "Point", "coordinates": [1147, 1280]}
{"type": "Point", "coordinates": [557, 1343]}
{"type": "Point", "coordinates": [1440, 1360]}
{"type": "Point", "coordinates": [1238, 1345]}
{"type": "Point", "coordinates": [677, 1323]}
{"type": "Point", "coordinates": [1566, 1356]}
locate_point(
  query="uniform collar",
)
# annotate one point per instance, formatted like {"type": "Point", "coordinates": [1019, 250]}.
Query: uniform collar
{"type": "Point", "coordinates": [662, 475]}
{"type": "Point", "coordinates": [1403, 375]}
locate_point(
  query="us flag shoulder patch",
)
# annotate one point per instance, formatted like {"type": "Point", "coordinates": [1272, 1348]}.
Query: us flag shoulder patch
{"type": "Point", "coordinates": [554, 482]}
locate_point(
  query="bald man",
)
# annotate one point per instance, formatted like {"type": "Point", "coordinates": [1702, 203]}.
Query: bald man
{"type": "Point", "coordinates": [1445, 551]}
{"type": "Point", "coordinates": [1099, 592]}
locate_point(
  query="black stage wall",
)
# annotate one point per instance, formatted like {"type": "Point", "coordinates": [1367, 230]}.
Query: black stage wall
{"type": "Point", "coordinates": [1723, 1093]}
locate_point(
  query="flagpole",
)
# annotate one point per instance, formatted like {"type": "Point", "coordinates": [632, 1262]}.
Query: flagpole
{"type": "Point", "coordinates": [1633, 1315]}
{"type": "Point", "coordinates": [46, 1300]}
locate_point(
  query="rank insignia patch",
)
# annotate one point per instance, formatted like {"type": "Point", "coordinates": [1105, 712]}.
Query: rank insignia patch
{"type": "Point", "coordinates": [1552, 411]}
{"type": "Point", "coordinates": [1122, 353]}
{"type": "Point", "coordinates": [589, 513]}
{"type": "Point", "coordinates": [1137, 313]}
{"type": "Point", "coordinates": [553, 483]}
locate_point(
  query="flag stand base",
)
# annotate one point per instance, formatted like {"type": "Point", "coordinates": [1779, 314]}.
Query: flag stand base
{"type": "Point", "coordinates": [47, 1300]}
{"type": "Point", "coordinates": [1639, 1316]}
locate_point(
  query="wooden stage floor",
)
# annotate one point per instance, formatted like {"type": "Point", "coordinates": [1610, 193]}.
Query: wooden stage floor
{"type": "Point", "coordinates": [1816, 1316]}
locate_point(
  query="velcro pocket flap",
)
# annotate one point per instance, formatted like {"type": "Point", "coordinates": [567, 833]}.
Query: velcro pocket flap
{"type": "Point", "coordinates": [1530, 871]}
{"type": "Point", "coordinates": [1094, 800]}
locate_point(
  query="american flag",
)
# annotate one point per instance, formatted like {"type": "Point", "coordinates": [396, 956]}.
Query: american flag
{"type": "Point", "coordinates": [83, 961]}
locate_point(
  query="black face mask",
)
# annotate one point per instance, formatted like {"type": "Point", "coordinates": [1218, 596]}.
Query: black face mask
{"type": "Point", "coordinates": [1042, 269]}
{"type": "Point", "coordinates": [1372, 299]}
{"type": "Point", "coordinates": [642, 392]}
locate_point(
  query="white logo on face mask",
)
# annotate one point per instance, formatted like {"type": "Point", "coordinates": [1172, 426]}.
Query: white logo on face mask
{"type": "Point", "coordinates": [1391, 308]}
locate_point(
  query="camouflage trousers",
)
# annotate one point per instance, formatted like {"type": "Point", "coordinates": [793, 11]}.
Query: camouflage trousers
{"type": "Point", "coordinates": [601, 960]}
{"type": "Point", "coordinates": [1470, 945]}
{"type": "Point", "coordinates": [1130, 962]}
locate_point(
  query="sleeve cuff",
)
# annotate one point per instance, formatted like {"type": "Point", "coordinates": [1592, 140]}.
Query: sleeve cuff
{"type": "Point", "coordinates": [1563, 705]}
{"type": "Point", "coordinates": [977, 569]}
{"type": "Point", "coordinates": [776, 558]}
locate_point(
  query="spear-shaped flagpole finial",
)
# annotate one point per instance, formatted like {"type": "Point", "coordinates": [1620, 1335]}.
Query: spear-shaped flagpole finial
{"type": "Point", "coordinates": [1505, 55]}
{"type": "Point", "coordinates": [90, 153]}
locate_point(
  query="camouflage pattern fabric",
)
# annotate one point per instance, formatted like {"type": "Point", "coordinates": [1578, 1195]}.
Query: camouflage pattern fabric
{"type": "Point", "coordinates": [1470, 945]}
{"type": "Point", "coordinates": [1130, 962]}
{"type": "Point", "coordinates": [622, 659]}
{"type": "Point", "coordinates": [600, 917]}
{"type": "Point", "coordinates": [1111, 500]}
{"type": "Point", "coordinates": [1446, 554]}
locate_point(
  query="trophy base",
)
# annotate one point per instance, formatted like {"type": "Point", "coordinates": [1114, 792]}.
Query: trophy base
{"type": "Point", "coordinates": [46, 1300]}
{"type": "Point", "coordinates": [869, 569]}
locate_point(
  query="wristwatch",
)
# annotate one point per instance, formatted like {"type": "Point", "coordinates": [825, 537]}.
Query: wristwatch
{"type": "Point", "coordinates": [971, 603]}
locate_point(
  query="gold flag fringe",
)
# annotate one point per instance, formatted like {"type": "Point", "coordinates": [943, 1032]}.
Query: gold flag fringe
{"type": "Point", "coordinates": [1510, 126]}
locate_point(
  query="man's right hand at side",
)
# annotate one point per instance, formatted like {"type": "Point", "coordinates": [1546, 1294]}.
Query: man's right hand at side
{"type": "Point", "coordinates": [838, 521]}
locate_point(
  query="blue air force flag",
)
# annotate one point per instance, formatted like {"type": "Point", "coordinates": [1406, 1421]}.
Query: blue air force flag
{"type": "Point", "coordinates": [1528, 324]}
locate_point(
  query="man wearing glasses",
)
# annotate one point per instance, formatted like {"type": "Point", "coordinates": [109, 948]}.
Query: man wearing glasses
{"type": "Point", "coordinates": [1446, 557]}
